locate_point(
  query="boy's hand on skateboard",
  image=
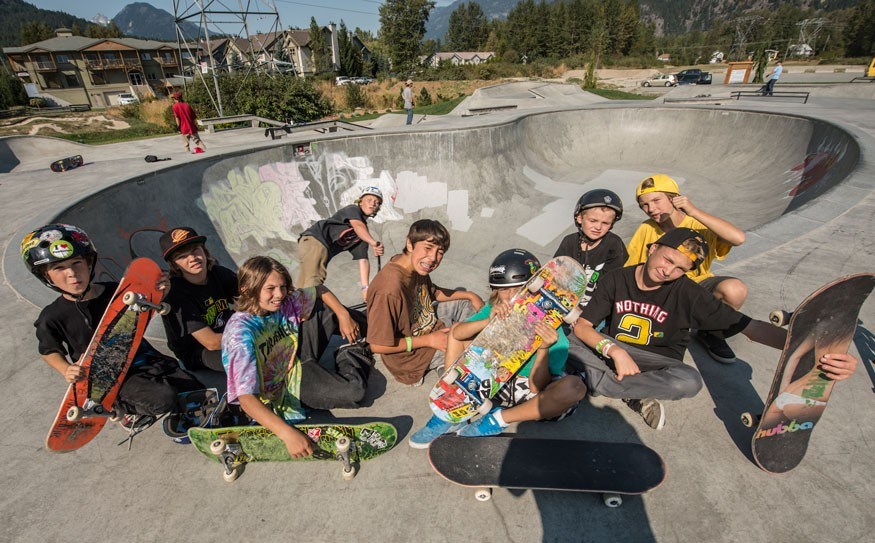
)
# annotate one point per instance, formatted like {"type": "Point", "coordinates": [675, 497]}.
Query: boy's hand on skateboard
{"type": "Point", "coordinates": [549, 336]}
{"type": "Point", "coordinates": [838, 366]}
{"type": "Point", "coordinates": [297, 443]}
{"type": "Point", "coordinates": [74, 373]}
{"type": "Point", "coordinates": [623, 363]}
{"type": "Point", "coordinates": [163, 283]}
{"type": "Point", "coordinates": [500, 310]}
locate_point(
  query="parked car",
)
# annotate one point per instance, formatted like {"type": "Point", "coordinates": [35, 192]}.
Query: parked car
{"type": "Point", "coordinates": [126, 99]}
{"type": "Point", "coordinates": [342, 80]}
{"type": "Point", "coordinates": [363, 80]}
{"type": "Point", "coordinates": [660, 80]}
{"type": "Point", "coordinates": [694, 76]}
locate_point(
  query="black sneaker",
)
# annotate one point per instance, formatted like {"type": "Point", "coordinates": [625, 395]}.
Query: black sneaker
{"type": "Point", "coordinates": [716, 347]}
{"type": "Point", "coordinates": [137, 423]}
{"type": "Point", "coordinates": [650, 410]}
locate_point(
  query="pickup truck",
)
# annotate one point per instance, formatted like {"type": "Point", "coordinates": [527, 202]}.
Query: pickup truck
{"type": "Point", "coordinates": [693, 76]}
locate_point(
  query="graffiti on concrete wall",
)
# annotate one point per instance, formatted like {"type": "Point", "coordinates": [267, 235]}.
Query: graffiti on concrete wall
{"type": "Point", "coordinates": [815, 167]}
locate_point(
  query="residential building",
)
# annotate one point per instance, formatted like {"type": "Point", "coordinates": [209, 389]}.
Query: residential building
{"type": "Point", "coordinates": [460, 57]}
{"type": "Point", "coordinates": [70, 69]}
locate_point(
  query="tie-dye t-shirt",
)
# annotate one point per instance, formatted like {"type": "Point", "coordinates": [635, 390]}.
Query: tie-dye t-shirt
{"type": "Point", "coordinates": [260, 354]}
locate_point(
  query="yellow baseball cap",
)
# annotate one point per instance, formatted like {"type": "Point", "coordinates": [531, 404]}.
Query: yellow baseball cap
{"type": "Point", "coordinates": [661, 183]}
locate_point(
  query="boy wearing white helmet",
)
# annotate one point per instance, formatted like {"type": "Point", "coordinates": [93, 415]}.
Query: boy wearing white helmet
{"type": "Point", "coordinates": [346, 230]}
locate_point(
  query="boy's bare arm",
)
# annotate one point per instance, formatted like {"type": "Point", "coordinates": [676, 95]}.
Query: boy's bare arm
{"type": "Point", "coordinates": [724, 229]}
{"type": "Point", "coordinates": [70, 372]}
{"type": "Point", "coordinates": [447, 295]}
{"type": "Point", "coordinates": [210, 340]}
{"type": "Point", "coordinates": [361, 230]}
{"type": "Point", "coordinates": [349, 329]}
{"type": "Point", "coordinates": [435, 340]}
{"type": "Point", "coordinates": [298, 444]}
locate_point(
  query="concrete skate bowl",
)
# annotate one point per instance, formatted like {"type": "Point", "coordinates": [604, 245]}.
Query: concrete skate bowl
{"type": "Point", "coordinates": [509, 184]}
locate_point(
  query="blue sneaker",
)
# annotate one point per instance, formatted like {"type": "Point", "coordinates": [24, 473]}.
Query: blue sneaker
{"type": "Point", "coordinates": [434, 429]}
{"type": "Point", "coordinates": [486, 426]}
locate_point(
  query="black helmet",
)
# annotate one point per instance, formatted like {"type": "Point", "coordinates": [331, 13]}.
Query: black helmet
{"type": "Point", "coordinates": [600, 198]}
{"type": "Point", "coordinates": [512, 268]}
{"type": "Point", "coordinates": [55, 243]}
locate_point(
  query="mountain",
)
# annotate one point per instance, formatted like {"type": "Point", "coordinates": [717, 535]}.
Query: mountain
{"type": "Point", "coordinates": [17, 12]}
{"type": "Point", "coordinates": [146, 21]}
{"type": "Point", "coordinates": [669, 16]}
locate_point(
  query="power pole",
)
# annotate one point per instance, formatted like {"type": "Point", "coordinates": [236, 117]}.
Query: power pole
{"type": "Point", "coordinates": [743, 28]}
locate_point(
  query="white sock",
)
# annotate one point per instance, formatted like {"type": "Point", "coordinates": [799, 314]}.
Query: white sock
{"type": "Point", "coordinates": [499, 419]}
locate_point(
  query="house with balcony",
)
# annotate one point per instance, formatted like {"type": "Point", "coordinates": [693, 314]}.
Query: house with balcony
{"type": "Point", "coordinates": [460, 57]}
{"type": "Point", "coordinates": [68, 69]}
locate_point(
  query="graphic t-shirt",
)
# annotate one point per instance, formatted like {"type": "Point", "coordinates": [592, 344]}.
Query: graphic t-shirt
{"type": "Point", "coordinates": [649, 232]}
{"type": "Point", "coordinates": [608, 255]}
{"type": "Point", "coordinates": [260, 354]}
{"type": "Point", "coordinates": [337, 234]}
{"type": "Point", "coordinates": [401, 304]}
{"type": "Point", "coordinates": [195, 307]}
{"type": "Point", "coordinates": [659, 320]}
{"type": "Point", "coordinates": [557, 354]}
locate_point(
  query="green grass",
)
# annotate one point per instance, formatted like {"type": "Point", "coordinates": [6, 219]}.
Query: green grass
{"type": "Point", "coordinates": [441, 108]}
{"type": "Point", "coordinates": [362, 117]}
{"type": "Point", "coordinates": [138, 130]}
{"type": "Point", "coordinates": [612, 94]}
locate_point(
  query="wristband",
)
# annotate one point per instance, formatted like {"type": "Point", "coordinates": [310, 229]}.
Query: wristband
{"type": "Point", "coordinates": [409, 341]}
{"type": "Point", "coordinates": [364, 287]}
{"type": "Point", "coordinates": [607, 348]}
{"type": "Point", "coordinates": [601, 345]}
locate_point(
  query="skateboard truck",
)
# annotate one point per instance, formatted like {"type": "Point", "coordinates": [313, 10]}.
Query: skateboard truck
{"type": "Point", "coordinates": [139, 303]}
{"type": "Point", "coordinates": [234, 460]}
{"type": "Point", "coordinates": [92, 409]}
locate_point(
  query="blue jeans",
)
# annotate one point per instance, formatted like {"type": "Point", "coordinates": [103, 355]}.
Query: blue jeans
{"type": "Point", "coordinates": [410, 116]}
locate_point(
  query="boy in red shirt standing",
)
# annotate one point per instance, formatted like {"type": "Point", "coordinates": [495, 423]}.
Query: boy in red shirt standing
{"type": "Point", "coordinates": [186, 122]}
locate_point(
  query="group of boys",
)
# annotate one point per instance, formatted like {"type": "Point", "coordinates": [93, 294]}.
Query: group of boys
{"type": "Point", "coordinates": [647, 308]}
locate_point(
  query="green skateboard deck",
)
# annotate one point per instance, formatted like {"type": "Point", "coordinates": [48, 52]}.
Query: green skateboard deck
{"type": "Point", "coordinates": [236, 446]}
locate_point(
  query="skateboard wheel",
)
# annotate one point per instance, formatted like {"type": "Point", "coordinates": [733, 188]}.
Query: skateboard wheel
{"type": "Point", "coordinates": [485, 407]}
{"type": "Point", "coordinates": [750, 420]}
{"type": "Point", "coordinates": [130, 298]}
{"type": "Point", "coordinates": [349, 475]}
{"type": "Point", "coordinates": [164, 309]}
{"type": "Point", "coordinates": [779, 318]}
{"type": "Point", "coordinates": [231, 476]}
{"type": "Point", "coordinates": [217, 447]}
{"type": "Point", "coordinates": [572, 316]}
{"type": "Point", "coordinates": [535, 284]}
{"type": "Point", "coordinates": [342, 444]}
{"type": "Point", "coordinates": [74, 413]}
{"type": "Point", "coordinates": [116, 414]}
{"type": "Point", "coordinates": [483, 494]}
{"type": "Point", "coordinates": [451, 376]}
{"type": "Point", "coordinates": [612, 500]}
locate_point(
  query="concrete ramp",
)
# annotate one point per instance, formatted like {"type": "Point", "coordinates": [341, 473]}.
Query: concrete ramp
{"type": "Point", "coordinates": [24, 153]}
{"type": "Point", "coordinates": [511, 184]}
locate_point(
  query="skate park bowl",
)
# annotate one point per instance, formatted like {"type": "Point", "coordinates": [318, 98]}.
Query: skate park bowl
{"type": "Point", "coordinates": [512, 181]}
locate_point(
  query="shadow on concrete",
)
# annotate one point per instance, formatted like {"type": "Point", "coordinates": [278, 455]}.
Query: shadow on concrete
{"type": "Point", "coordinates": [730, 386]}
{"type": "Point", "coordinates": [864, 339]}
{"type": "Point", "coordinates": [583, 516]}
{"type": "Point", "coordinates": [8, 160]}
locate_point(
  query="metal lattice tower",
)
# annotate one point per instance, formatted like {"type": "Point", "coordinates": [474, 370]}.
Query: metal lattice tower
{"type": "Point", "coordinates": [808, 31]}
{"type": "Point", "coordinates": [218, 18]}
{"type": "Point", "coordinates": [743, 28]}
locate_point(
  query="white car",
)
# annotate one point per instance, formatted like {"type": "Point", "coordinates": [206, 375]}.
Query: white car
{"type": "Point", "coordinates": [342, 80]}
{"type": "Point", "coordinates": [660, 80]}
{"type": "Point", "coordinates": [126, 99]}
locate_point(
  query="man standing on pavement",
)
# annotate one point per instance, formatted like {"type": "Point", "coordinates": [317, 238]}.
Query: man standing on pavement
{"type": "Point", "coordinates": [773, 78]}
{"type": "Point", "coordinates": [186, 121]}
{"type": "Point", "coordinates": [407, 95]}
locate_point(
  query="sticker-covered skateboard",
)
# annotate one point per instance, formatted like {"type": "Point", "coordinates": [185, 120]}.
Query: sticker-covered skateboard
{"type": "Point", "coordinates": [90, 401]}
{"type": "Point", "coordinates": [68, 163]}
{"type": "Point", "coordinates": [551, 296]}
{"type": "Point", "coordinates": [823, 323]}
{"type": "Point", "coordinates": [505, 461]}
{"type": "Point", "coordinates": [234, 447]}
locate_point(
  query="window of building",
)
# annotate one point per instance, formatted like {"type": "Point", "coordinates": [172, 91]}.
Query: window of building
{"type": "Point", "coordinates": [136, 78]}
{"type": "Point", "coordinates": [151, 77]}
{"type": "Point", "coordinates": [146, 56]}
{"type": "Point", "coordinates": [71, 80]}
{"type": "Point", "coordinates": [62, 59]}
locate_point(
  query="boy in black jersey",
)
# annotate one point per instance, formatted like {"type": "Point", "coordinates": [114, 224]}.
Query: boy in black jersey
{"type": "Point", "coordinates": [650, 309]}
{"type": "Point", "coordinates": [62, 257]}
{"type": "Point", "coordinates": [594, 246]}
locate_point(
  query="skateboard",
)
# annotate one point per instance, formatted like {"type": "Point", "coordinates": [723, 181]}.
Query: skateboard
{"type": "Point", "coordinates": [502, 348]}
{"type": "Point", "coordinates": [484, 463]}
{"type": "Point", "coordinates": [823, 323]}
{"type": "Point", "coordinates": [90, 401]}
{"type": "Point", "coordinates": [68, 163]}
{"type": "Point", "coordinates": [236, 446]}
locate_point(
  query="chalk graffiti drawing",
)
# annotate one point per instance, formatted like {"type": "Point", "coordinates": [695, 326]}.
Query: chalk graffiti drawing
{"type": "Point", "coordinates": [814, 168]}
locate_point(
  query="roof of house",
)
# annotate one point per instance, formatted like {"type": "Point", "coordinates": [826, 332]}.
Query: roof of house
{"type": "Point", "coordinates": [464, 55]}
{"type": "Point", "coordinates": [79, 43]}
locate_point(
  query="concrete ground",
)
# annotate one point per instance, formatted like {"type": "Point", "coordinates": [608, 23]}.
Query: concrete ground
{"type": "Point", "coordinates": [798, 179]}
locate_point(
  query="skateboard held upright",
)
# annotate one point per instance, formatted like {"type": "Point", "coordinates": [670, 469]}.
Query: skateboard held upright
{"type": "Point", "coordinates": [823, 323]}
{"type": "Point", "coordinates": [611, 469]}
{"type": "Point", "coordinates": [500, 350]}
{"type": "Point", "coordinates": [91, 400]}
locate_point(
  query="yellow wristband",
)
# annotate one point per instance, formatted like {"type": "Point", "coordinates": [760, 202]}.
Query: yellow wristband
{"type": "Point", "coordinates": [409, 341]}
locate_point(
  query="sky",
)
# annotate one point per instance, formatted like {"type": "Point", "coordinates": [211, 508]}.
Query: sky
{"type": "Point", "coordinates": [356, 13]}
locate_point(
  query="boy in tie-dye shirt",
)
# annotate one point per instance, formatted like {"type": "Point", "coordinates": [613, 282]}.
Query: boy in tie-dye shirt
{"type": "Point", "coordinates": [260, 347]}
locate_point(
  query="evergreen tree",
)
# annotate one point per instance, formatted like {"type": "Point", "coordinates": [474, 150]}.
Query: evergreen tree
{"type": "Point", "coordinates": [468, 29]}
{"type": "Point", "coordinates": [32, 32]}
{"type": "Point", "coordinates": [402, 27]}
{"type": "Point", "coordinates": [321, 57]}
{"type": "Point", "coordinates": [351, 63]}
{"type": "Point", "coordinates": [860, 33]}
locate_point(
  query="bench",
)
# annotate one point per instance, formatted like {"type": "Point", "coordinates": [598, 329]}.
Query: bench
{"type": "Point", "coordinates": [777, 94]}
{"type": "Point", "coordinates": [254, 121]}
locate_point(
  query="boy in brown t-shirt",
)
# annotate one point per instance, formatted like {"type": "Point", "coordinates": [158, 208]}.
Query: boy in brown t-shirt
{"type": "Point", "coordinates": [404, 326]}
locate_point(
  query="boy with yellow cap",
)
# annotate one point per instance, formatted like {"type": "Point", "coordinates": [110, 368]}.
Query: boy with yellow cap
{"type": "Point", "coordinates": [659, 197]}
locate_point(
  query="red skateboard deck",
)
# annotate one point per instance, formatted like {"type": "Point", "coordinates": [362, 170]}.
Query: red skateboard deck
{"type": "Point", "coordinates": [90, 401]}
{"type": "Point", "coordinates": [505, 345]}
{"type": "Point", "coordinates": [823, 323]}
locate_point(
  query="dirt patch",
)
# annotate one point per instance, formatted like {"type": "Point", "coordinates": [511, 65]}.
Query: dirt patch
{"type": "Point", "coordinates": [382, 96]}
{"type": "Point", "coordinates": [61, 124]}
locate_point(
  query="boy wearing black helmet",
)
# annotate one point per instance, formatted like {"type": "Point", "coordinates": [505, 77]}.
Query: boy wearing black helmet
{"type": "Point", "coordinates": [650, 309]}
{"type": "Point", "coordinates": [541, 390]}
{"type": "Point", "coordinates": [594, 246]}
{"type": "Point", "coordinates": [62, 257]}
